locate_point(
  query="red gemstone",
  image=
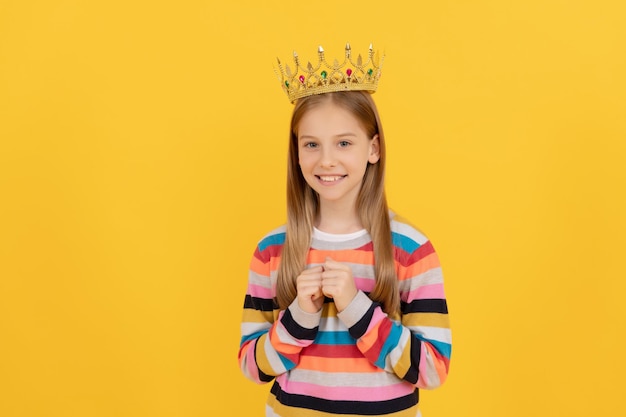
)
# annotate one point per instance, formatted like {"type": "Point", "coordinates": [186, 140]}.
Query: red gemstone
{"type": "Point", "coordinates": [301, 78]}
{"type": "Point", "coordinates": [349, 72]}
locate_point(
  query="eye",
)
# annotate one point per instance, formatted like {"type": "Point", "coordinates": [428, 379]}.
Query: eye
{"type": "Point", "coordinates": [310, 145]}
{"type": "Point", "coordinates": [344, 144]}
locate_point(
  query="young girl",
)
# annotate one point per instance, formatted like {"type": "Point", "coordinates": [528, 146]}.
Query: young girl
{"type": "Point", "coordinates": [345, 307]}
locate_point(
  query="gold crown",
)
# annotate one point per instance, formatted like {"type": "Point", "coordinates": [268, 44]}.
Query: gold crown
{"type": "Point", "coordinates": [323, 78]}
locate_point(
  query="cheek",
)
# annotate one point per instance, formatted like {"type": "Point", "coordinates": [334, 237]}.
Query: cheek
{"type": "Point", "coordinates": [305, 161]}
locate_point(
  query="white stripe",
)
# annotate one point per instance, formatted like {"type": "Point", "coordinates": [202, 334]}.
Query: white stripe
{"type": "Point", "coordinates": [332, 324]}
{"type": "Point", "coordinates": [396, 353]}
{"type": "Point", "coordinates": [408, 231]}
{"type": "Point", "coordinates": [335, 237]}
{"type": "Point", "coordinates": [432, 377]}
{"type": "Point", "coordinates": [358, 270]}
{"type": "Point", "coordinates": [343, 379]}
{"type": "Point", "coordinates": [272, 357]}
{"type": "Point", "coordinates": [269, 412]}
{"type": "Point", "coordinates": [439, 334]}
{"type": "Point", "coordinates": [252, 327]}
{"type": "Point", "coordinates": [260, 280]}
{"type": "Point", "coordinates": [432, 276]}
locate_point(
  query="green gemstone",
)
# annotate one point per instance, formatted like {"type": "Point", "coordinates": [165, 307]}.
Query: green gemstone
{"type": "Point", "coordinates": [370, 72]}
{"type": "Point", "coordinates": [286, 83]}
{"type": "Point", "coordinates": [324, 74]}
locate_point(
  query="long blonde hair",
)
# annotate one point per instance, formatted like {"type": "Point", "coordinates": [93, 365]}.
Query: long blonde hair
{"type": "Point", "coordinates": [371, 204]}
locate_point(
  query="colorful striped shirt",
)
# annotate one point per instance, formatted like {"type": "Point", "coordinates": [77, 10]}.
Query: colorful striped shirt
{"type": "Point", "coordinates": [358, 361]}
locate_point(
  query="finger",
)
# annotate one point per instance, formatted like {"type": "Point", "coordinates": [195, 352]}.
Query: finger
{"type": "Point", "coordinates": [317, 294]}
{"type": "Point", "coordinates": [309, 290]}
{"type": "Point", "coordinates": [334, 274]}
{"type": "Point", "coordinates": [313, 270]}
{"type": "Point", "coordinates": [314, 276]}
{"type": "Point", "coordinates": [332, 264]}
{"type": "Point", "coordinates": [308, 287]}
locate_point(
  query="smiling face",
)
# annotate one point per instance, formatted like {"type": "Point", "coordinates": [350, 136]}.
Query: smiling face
{"type": "Point", "coordinates": [333, 152]}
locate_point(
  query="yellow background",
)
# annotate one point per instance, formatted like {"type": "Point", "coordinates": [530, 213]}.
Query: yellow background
{"type": "Point", "coordinates": [143, 153]}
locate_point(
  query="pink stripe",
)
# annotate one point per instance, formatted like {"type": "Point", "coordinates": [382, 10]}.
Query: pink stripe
{"type": "Point", "coordinates": [252, 370]}
{"type": "Point", "coordinates": [365, 284]}
{"type": "Point", "coordinates": [353, 393]}
{"type": "Point", "coordinates": [427, 291]}
{"type": "Point", "coordinates": [259, 291]}
{"type": "Point", "coordinates": [376, 318]}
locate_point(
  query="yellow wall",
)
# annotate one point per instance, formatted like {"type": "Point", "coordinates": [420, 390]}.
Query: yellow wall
{"type": "Point", "coordinates": [142, 154]}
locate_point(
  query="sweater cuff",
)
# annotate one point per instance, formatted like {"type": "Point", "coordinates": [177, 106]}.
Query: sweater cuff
{"type": "Point", "coordinates": [302, 318]}
{"type": "Point", "coordinates": [355, 311]}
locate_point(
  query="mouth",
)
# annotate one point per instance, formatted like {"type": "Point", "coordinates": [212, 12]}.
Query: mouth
{"type": "Point", "coordinates": [330, 178]}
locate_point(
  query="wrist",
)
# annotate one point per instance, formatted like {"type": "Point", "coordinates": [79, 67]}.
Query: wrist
{"type": "Point", "coordinates": [304, 318]}
{"type": "Point", "coordinates": [342, 305]}
{"type": "Point", "coordinates": [355, 310]}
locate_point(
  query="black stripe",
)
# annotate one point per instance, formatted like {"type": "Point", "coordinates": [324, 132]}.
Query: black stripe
{"type": "Point", "coordinates": [416, 352]}
{"type": "Point", "coordinates": [435, 305]}
{"type": "Point", "coordinates": [297, 331]}
{"type": "Point", "coordinates": [263, 304]}
{"type": "Point", "coordinates": [364, 408]}
{"type": "Point", "coordinates": [361, 326]}
{"type": "Point", "coordinates": [262, 376]}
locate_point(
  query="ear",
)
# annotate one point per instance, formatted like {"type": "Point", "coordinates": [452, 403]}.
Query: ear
{"type": "Point", "coordinates": [374, 150]}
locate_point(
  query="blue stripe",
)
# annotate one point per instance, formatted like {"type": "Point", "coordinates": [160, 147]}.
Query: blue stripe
{"type": "Point", "coordinates": [249, 337]}
{"type": "Point", "coordinates": [334, 338]}
{"type": "Point", "coordinates": [444, 348]}
{"type": "Point", "coordinates": [277, 239]}
{"type": "Point", "coordinates": [391, 342]}
{"type": "Point", "coordinates": [286, 362]}
{"type": "Point", "coordinates": [403, 242]}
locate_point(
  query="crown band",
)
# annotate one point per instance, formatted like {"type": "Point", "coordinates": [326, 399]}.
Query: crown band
{"type": "Point", "coordinates": [323, 78]}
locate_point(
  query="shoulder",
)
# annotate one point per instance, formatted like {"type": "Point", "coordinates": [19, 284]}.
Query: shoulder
{"type": "Point", "coordinates": [405, 235]}
{"type": "Point", "coordinates": [275, 237]}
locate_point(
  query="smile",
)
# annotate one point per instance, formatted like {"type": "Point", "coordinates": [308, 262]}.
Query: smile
{"type": "Point", "coordinates": [330, 178]}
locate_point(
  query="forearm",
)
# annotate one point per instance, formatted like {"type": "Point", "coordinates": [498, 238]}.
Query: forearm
{"type": "Point", "coordinates": [396, 348]}
{"type": "Point", "coordinates": [271, 349]}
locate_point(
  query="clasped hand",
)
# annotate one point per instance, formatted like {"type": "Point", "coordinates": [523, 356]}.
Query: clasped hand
{"type": "Point", "coordinates": [332, 279]}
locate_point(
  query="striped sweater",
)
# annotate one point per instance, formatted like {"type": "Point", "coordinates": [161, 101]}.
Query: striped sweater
{"type": "Point", "coordinates": [358, 361]}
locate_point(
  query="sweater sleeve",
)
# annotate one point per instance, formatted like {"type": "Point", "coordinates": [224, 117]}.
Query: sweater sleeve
{"type": "Point", "coordinates": [417, 348]}
{"type": "Point", "coordinates": [271, 340]}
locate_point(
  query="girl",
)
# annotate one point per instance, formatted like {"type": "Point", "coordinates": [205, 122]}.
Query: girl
{"type": "Point", "coordinates": [345, 307]}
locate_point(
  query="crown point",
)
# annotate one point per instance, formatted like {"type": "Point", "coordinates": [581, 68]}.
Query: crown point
{"type": "Point", "coordinates": [320, 49]}
{"type": "Point", "coordinates": [371, 47]}
{"type": "Point", "coordinates": [347, 45]}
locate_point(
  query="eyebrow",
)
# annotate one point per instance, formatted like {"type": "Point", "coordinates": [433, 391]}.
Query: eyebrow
{"type": "Point", "coordinates": [341, 135]}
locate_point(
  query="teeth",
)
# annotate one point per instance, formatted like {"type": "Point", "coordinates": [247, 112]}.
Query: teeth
{"type": "Point", "coordinates": [330, 179]}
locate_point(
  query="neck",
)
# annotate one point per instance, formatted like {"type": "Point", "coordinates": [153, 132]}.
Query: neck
{"type": "Point", "coordinates": [338, 219]}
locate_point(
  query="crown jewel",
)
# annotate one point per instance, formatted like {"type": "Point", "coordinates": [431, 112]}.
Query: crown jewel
{"type": "Point", "coordinates": [323, 77]}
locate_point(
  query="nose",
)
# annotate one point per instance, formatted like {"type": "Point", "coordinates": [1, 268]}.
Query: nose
{"type": "Point", "coordinates": [328, 159]}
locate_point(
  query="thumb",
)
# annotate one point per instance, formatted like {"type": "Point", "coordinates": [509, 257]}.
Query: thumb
{"type": "Point", "coordinates": [331, 263]}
